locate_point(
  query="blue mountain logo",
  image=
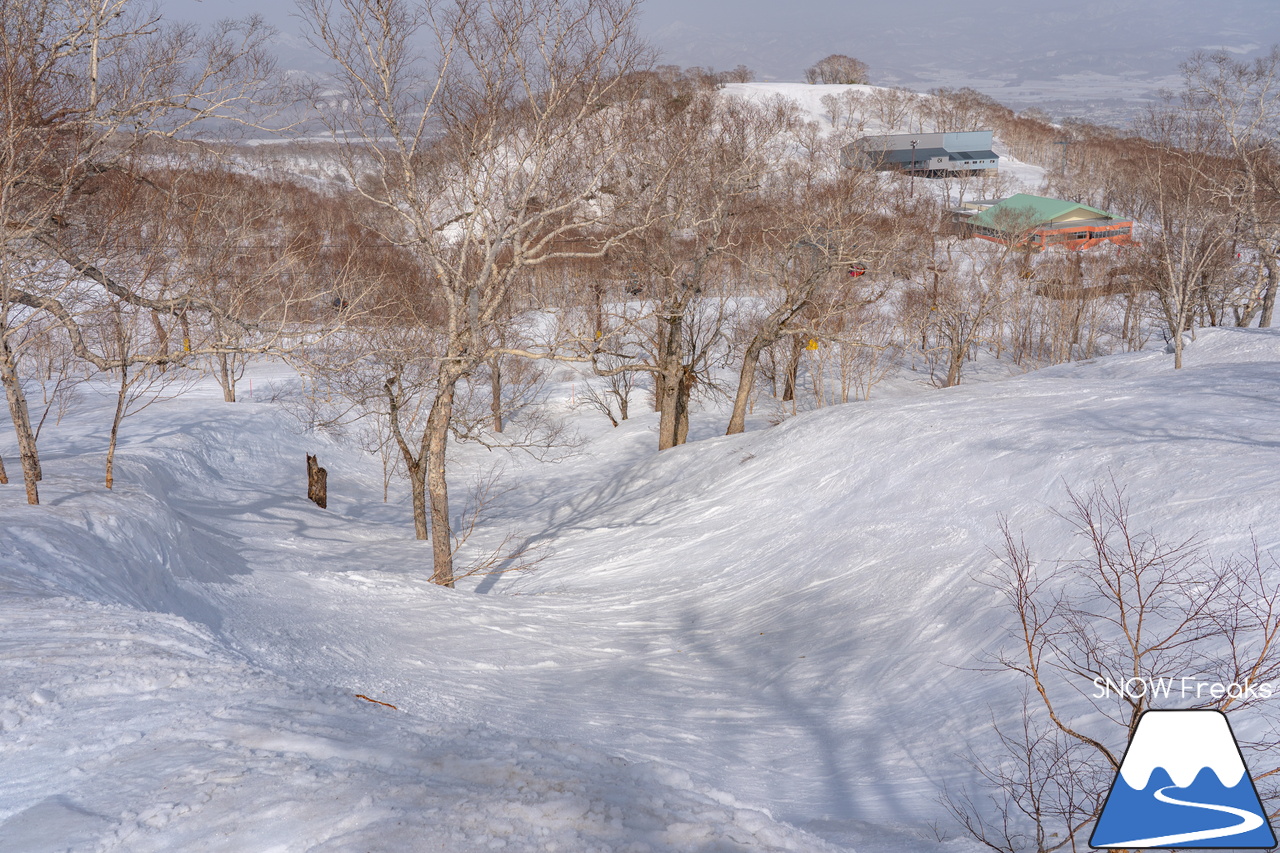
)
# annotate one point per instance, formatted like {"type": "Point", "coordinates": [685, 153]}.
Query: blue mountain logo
{"type": "Point", "coordinates": [1183, 784]}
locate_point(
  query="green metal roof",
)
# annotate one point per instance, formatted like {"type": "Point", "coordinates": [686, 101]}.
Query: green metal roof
{"type": "Point", "coordinates": [1030, 210]}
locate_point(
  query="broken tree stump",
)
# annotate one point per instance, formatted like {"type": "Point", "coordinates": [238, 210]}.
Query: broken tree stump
{"type": "Point", "coordinates": [317, 483]}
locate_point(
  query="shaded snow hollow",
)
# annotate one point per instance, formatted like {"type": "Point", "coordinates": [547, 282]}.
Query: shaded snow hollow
{"type": "Point", "coordinates": [748, 643]}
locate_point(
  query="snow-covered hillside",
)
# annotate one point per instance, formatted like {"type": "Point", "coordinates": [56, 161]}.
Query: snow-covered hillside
{"type": "Point", "coordinates": [1020, 177]}
{"type": "Point", "coordinates": [746, 643]}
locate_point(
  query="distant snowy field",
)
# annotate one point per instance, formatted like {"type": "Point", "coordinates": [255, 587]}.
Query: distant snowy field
{"type": "Point", "coordinates": [746, 643]}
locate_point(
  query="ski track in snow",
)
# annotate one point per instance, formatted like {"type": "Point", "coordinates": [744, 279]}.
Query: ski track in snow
{"type": "Point", "coordinates": [724, 640]}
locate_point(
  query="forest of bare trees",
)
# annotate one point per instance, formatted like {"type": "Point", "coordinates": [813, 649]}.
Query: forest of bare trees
{"type": "Point", "coordinates": [480, 199]}
{"type": "Point", "coordinates": [506, 191]}
{"type": "Point", "coordinates": [837, 68]}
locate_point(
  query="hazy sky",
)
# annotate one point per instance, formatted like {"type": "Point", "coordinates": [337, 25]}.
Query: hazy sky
{"type": "Point", "coordinates": [1086, 49]}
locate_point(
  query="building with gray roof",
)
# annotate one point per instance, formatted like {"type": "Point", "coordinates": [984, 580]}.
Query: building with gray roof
{"type": "Point", "coordinates": [967, 152]}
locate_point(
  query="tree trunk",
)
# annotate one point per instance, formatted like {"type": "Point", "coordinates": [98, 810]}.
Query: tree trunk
{"type": "Point", "coordinates": [1128, 319]}
{"type": "Point", "coordinates": [414, 466]}
{"type": "Point", "coordinates": [955, 365]}
{"type": "Point", "coordinates": [437, 437]}
{"type": "Point", "coordinates": [162, 336]}
{"type": "Point", "coordinates": [1269, 295]}
{"type": "Point", "coordinates": [684, 390]}
{"type": "Point", "coordinates": [660, 380]}
{"type": "Point", "coordinates": [623, 395]}
{"type": "Point", "coordinates": [746, 382]}
{"type": "Point", "coordinates": [1179, 314]}
{"type": "Point", "coordinates": [673, 424]}
{"type": "Point", "coordinates": [1177, 321]}
{"type": "Point", "coordinates": [21, 415]}
{"type": "Point", "coordinates": [417, 472]}
{"type": "Point", "coordinates": [4, 477]}
{"type": "Point", "coordinates": [667, 405]}
{"type": "Point", "coordinates": [792, 375]}
{"type": "Point", "coordinates": [226, 378]}
{"type": "Point", "coordinates": [668, 385]}
{"type": "Point", "coordinates": [495, 386]}
{"type": "Point", "coordinates": [597, 309]}
{"type": "Point", "coordinates": [121, 400]}
{"type": "Point", "coordinates": [418, 485]}
{"type": "Point", "coordinates": [1246, 315]}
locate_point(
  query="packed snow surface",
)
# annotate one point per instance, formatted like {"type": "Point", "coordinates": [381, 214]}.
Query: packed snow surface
{"type": "Point", "coordinates": [760, 642]}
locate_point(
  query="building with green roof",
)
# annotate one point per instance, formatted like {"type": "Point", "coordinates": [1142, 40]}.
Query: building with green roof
{"type": "Point", "coordinates": [1039, 223]}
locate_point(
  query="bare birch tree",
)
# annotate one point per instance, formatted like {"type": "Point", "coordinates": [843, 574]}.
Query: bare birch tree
{"type": "Point", "coordinates": [1190, 225]}
{"type": "Point", "coordinates": [83, 88]}
{"type": "Point", "coordinates": [143, 375]}
{"type": "Point", "coordinates": [704, 171]}
{"type": "Point", "coordinates": [1240, 102]}
{"type": "Point", "coordinates": [491, 133]}
{"type": "Point", "coordinates": [816, 242]}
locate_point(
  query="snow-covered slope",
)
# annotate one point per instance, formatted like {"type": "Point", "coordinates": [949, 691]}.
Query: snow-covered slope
{"type": "Point", "coordinates": [132, 720]}
{"type": "Point", "coordinates": [744, 643]}
{"type": "Point", "coordinates": [127, 731]}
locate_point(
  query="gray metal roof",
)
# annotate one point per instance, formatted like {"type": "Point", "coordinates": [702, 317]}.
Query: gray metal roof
{"type": "Point", "coordinates": [920, 155]}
